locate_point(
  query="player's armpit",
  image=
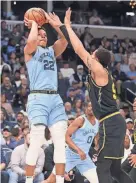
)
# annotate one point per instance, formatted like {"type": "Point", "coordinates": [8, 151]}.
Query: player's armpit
{"type": "Point", "coordinates": [60, 46]}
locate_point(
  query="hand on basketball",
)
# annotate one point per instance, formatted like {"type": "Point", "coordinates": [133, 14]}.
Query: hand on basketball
{"type": "Point", "coordinates": [82, 154]}
{"type": "Point", "coordinates": [132, 159]}
{"type": "Point", "coordinates": [29, 23]}
{"type": "Point", "coordinates": [67, 18]}
{"type": "Point", "coordinates": [53, 19]}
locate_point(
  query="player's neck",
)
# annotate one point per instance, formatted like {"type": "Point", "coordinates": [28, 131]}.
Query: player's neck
{"type": "Point", "coordinates": [91, 118]}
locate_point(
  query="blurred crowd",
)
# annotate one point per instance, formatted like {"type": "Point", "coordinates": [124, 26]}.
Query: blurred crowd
{"type": "Point", "coordinates": [72, 86]}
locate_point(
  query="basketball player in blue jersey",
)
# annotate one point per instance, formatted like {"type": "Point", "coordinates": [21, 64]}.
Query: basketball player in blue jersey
{"type": "Point", "coordinates": [44, 107]}
{"type": "Point", "coordinates": [79, 138]}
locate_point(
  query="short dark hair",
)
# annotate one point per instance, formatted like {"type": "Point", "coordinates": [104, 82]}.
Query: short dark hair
{"type": "Point", "coordinates": [20, 113]}
{"type": "Point", "coordinates": [86, 104]}
{"type": "Point", "coordinates": [104, 56]}
{"type": "Point", "coordinates": [15, 132]}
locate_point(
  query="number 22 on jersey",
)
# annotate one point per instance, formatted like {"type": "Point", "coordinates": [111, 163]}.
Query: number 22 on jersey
{"type": "Point", "coordinates": [48, 65]}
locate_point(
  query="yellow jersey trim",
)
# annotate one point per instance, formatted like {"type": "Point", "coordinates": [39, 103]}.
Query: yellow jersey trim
{"type": "Point", "coordinates": [108, 116]}
{"type": "Point", "coordinates": [107, 157]}
{"type": "Point", "coordinates": [104, 138]}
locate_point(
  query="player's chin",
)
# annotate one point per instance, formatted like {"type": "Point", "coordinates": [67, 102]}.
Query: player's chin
{"type": "Point", "coordinates": [43, 44]}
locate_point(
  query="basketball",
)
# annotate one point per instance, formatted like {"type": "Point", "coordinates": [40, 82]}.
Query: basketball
{"type": "Point", "coordinates": [36, 14]}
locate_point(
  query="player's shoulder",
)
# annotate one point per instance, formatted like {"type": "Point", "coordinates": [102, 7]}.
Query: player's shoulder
{"type": "Point", "coordinates": [80, 120]}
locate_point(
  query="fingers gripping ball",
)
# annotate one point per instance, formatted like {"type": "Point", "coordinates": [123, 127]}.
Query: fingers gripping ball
{"type": "Point", "coordinates": [36, 14]}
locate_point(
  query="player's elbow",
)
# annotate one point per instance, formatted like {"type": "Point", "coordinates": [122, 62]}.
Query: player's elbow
{"type": "Point", "coordinates": [64, 42]}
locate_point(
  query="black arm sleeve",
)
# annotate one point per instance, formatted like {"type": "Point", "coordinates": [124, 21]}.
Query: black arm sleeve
{"type": "Point", "coordinates": [65, 33]}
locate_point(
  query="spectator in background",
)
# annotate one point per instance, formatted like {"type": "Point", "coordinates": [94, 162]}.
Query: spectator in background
{"type": "Point", "coordinates": [20, 117]}
{"type": "Point", "coordinates": [25, 130]}
{"type": "Point", "coordinates": [124, 67]}
{"type": "Point", "coordinates": [7, 106]}
{"type": "Point", "coordinates": [95, 19]}
{"type": "Point", "coordinates": [125, 107]}
{"type": "Point", "coordinates": [23, 72]}
{"type": "Point", "coordinates": [68, 109]}
{"type": "Point", "coordinates": [16, 66]}
{"type": "Point", "coordinates": [4, 31]}
{"type": "Point", "coordinates": [66, 71]}
{"type": "Point", "coordinates": [78, 105]}
{"type": "Point", "coordinates": [11, 143]}
{"type": "Point", "coordinates": [25, 121]}
{"type": "Point", "coordinates": [22, 45]}
{"type": "Point", "coordinates": [115, 44]}
{"type": "Point", "coordinates": [16, 135]}
{"type": "Point", "coordinates": [119, 76]}
{"type": "Point", "coordinates": [22, 63]}
{"type": "Point", "coordinates": [78, 112]}
{"type": "Point", "coordinates": [17, 79]}
{"type": "Point", "coordinates": [79, 77]}
{"type": "Point", "coordinates": [87, 39]}
{"type": "Point", "coordinates": [80, 17]}
{"type": "Point", "coordinates": [22, 93]}
{"type": "Point", "coordinates": [132, 59]}
{"type": "Point", "coordinates": [16, 34]}
{"type": "Point", "coordinates": [4, 66]}
{"type": "Point", "coordinates": [25, 36]}
{"type": "Point", "coordinates": [132, 73]}
{"type": "Point", "coordinates": [119, 56]}
{"type": "Point", "coordinates": [2, 119]}
{"type": "Point", "coordinates": [105, 43]}
{"type": "Point", "coordinates": [11, 46]}
{"type": "Point", "coordinates": [8, 90]}
{"type": "Point", "coordinates": [18, 27]}
{"type": "Point", "coordinates": [17, 164]}
{"type": "Point", "coordinates": [12, 57]}
{"type": "Point", "coordinates": [4, 174]}
{"type": "Point", "coordinates": [130, 126]}
{"type": "Point", "coordinates": [128, 146]}
{"type": "Point", "coordinates": [71, 96]}
{"type": "Point", "coordinates": [74, 93]}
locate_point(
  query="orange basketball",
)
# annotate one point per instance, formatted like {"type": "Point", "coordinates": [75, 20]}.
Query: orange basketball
{"type": "Point", "coordinates": [36, 14]}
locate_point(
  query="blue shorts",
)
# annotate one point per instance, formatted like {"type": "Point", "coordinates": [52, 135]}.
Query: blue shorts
{"type": "Point", "coordinates": [73, 160]}
{"type": "Point", "coordinates": [46, 109]}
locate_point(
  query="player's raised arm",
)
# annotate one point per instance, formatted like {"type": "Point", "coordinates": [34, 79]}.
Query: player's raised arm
{"type": "Point", "coordinates": [61, 44]}
{"type": "Point", "coordinates": [90, 61]}
{"type": "Point", "coordinates": [75, 125]}
{"type": "Point", "coordinates": [31, 44]}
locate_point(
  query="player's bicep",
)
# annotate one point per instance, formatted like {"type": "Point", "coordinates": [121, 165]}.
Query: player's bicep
{"type": "Point", "coordinates": [74, 126]}
{"type": "Point", "coordinates": [59, 47]}
{"type": "Point", "coordinates": [30, 48]}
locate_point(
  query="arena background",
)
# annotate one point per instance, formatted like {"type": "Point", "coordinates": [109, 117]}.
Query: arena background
{"type": "Point", "coordinates": [108, 24]}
